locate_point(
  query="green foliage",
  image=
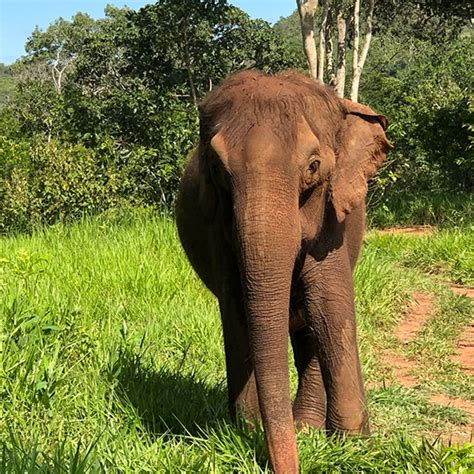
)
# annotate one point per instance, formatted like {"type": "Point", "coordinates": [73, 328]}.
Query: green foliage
{"type": "Point", "coordinates": [104, 111]}
{"type": "Point", "coordinates": [7, 85]}
{"type": "Point", "coordinates": [288, 30]}
{"type": "Point", "coordinates": [419, 72]}
{"type": "Point", "coordinates": [37, 105]}
{"type": "Point", "coordinates": [448, 253]}
{"type": "Point", "coordinates": [57, 181]}
{"type": "Point", "coordinates": [129, 81]}
{"type": "Point", "coordinates": [435, 21]}
{"type": "Point", "coordinates": [134, 73]}
{"type": "Point", "coordinates": [427, 98]}
{"type": "Point", "coordinates": [398, 208]}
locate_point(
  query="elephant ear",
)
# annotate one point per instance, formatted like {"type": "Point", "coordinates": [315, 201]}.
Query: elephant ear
{"type": "Point", "coordinates": [361, 148]}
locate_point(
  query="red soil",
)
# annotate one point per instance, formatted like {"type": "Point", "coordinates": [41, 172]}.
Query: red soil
{"type": "Point", "coordinates": [421, 309]}
{"type": "Point", "coordinates": [417, 230]}
{"type": "Point", "coordinates": [419, 312]}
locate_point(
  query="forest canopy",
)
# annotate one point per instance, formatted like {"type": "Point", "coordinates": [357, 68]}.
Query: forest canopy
{"type": "Point", "coordinates": [101, 114]}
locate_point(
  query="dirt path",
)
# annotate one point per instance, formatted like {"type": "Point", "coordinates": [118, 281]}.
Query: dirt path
{"type": "Point", "coordinates": [465, 351]}
{"type": "Point", "coordinates": [419, 312]}
{"type": "Point", "coordinates": [402, 368]}
{"type": "Point", "coordinates": [462, 290]}
{"type": "Point", "coordinates": [421, 309]}
{"type": "Point", "coordinates": [465, 347]}
{"type": "Point", "coordinates": [465, 405]}
{"type": "Point", "coordinates": [417, 230]}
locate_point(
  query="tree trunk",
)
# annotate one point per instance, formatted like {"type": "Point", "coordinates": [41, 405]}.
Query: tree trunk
{"type": "Point", "coordinates": [322, 41]}
{"type": "Point", "coordinates": [358, 63]}
{"type": "Point", "coordinates": [331, 73]}
{"type": "Point", "coordinates": [341, 52]}
{"type": "Point", "coordinates": [306, 10]}
{"type": "Point", "coordinates": [58, 69]}
{"type": "Point", "coordinates": [355, 49]}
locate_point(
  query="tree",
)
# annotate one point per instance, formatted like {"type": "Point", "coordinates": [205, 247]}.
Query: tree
{"type": "Point", "coordinates": [337, 24]}
{"type": "Point", "coordinates": [306, 10]}
{"type": "Point", "coordinates": [57, 46]}
{"type": "Point", "coordinates": [436, 21]}
{"type": "Point", "coordinates": [343, 23]}
{"type": "Point", "coordinates": [358, 62]}
{"type": "Point", "coordinates": [427, 95]}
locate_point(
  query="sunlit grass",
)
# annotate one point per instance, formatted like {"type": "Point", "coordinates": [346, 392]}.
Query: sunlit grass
{"type": "Point", "coordinates": [111, 360]}
{"type": "Point", "coordinates": [445, 210]}
{"type": "Point", "coordinates": [448, 253]}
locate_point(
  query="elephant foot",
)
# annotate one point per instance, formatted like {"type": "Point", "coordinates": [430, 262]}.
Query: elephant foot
{"type": "Point", "coordinates": [309, 419]}
{"type": "Point", "coordinates": [353, 424]}
{"type": "Point", "coordinates": [306, 424]}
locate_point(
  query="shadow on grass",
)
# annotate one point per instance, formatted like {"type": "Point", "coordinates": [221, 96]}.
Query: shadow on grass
{"type": "Point", "coordinates": [167, 401]}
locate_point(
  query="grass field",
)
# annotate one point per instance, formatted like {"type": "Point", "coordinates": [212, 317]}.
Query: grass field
{"type": "Point", "coordinates": [111, 357]}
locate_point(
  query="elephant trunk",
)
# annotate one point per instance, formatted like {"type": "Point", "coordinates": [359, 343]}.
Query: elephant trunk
{"type": "Point", "coordinates": [268, 232]}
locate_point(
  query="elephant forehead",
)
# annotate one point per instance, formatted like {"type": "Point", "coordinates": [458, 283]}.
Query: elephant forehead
{"type": "Point", "coordinates": [262, 144]}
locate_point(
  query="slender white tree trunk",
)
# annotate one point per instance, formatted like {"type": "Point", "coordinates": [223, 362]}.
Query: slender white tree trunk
{"type": "Point", "coordinates": [358, 62]}
{"type": "Point", "coordinates": [355, 48]}
{"type": "Point", "coordinates": [58, 68]}
{"type": "Point", "coordinates": [322, 41]}
{"type": "Point", "coordinates": [341, 52]}
{"type": "Point", "coordinates": [306, 10]}
{"type": "Point", "coordinates": [331, 72]}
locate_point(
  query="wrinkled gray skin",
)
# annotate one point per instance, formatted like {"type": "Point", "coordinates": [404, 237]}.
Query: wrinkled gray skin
{"type": "Point", "coordinates": [271, 216]}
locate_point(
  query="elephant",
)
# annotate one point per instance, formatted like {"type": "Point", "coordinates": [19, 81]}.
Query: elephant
{"type": "Point", "coordinates": [271, 215]}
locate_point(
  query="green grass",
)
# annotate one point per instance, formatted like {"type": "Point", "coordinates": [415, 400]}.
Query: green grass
{"type": "Point", "coordinates": [448, 253]}
{"type": "Point", "coordinates": [441, 210]}
{"type": "Point", "coordinates": [446, 256]}
{"type": "Point", "coordinates": [111, 360]}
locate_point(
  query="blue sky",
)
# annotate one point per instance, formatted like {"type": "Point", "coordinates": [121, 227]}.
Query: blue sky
{"type": "Point", "coordinates": [18, 18]}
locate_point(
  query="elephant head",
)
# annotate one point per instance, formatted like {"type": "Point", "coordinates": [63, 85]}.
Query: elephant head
{"type": "Point", "coordinates": [276, 155]}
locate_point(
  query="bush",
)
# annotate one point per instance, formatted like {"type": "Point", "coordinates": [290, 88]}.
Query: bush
{"type": "Point", "coordinates": [57, 181]}
{"type": "Point", "coordinates": [427, 96]}
{"type": "Point", "coordinates": [441, 210]}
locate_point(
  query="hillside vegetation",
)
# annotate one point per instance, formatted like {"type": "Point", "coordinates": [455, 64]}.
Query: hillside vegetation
{"type": "Point", "coordinates": [7, 85]}
{"type": "Point", "coordinates": [104, 113]}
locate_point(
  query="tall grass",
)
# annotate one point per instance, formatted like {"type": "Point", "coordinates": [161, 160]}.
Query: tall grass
{"type": "Point", "coordinates": [111, 360]}
{"type": "Point", "coordinates": [448, 253]}
{"type": "Point", "coordinates": [441, 210]}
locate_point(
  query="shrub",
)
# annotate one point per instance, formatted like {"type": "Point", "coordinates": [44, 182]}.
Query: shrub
{"type": "Point", "coordinates": [56, 181]}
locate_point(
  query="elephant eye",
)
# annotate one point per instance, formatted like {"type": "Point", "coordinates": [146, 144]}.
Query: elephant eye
{"type": "Point", "coordinates": [314, 166]}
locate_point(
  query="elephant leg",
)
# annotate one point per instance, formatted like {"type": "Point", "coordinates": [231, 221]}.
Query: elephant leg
{"type": "Point", "coordinates": [242, 389]}
{"type": "Point", "coordinates": [330, 312]}
{"type": "Point", "coordinates": [309, 407]}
